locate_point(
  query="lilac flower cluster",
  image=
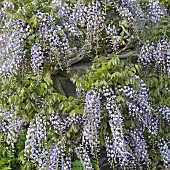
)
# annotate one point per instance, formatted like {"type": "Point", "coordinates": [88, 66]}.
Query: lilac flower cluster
{"type": "Point", "coordinates": [156, 55]}
{"type": "Point", "coordinates": [140, 108]}
{"type": "Point", "coordinates": [92, 121]}
{"type": "Point", "coordinates": [52, 45]}
{"type": "Point", "coordinates": [36, 141]}
{"type": "Point", "coordinates": [37, 57]}
{"type": "Point", "coordinates": [132, 12]}
{"type": "Point", "coordinates": [109, 150]}
{"type": "Point", "coordinates": [118, 149]}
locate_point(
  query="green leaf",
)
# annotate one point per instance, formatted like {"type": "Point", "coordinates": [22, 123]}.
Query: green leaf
{"type": "Point", "coordinates": [95, 165]}
{"type": "Point", "coordinates": [33, 21]}
{"type": "Point", "coordinates": [133, 69]}
{"type": "Point", "coordinates": [75, 129]}
{"type": "Point", "coordinates": [47, 79]}
{"type": "Point", "coordinates": [22, 92]}
{"type": "Point", "coordinates": [28, 106]}
{"type": "Point", "coordinates": [7, 168]}
{"type": "Point", "coordinates": [4, 161]}
{"type": "Point", "coordinates": [11, 99]}
{"type": "Point", "coordinates": [73, 113]}
{"type": "Point", "coordinates": [137, 67]}
{"type": "Point", "coordinates": [77, 165]}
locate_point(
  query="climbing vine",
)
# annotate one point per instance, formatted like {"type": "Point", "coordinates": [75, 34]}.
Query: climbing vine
{"type": "Point", "coordinates": [122, 102]}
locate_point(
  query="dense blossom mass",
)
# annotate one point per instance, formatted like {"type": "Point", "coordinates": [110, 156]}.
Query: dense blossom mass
{"type": "Point", "coordinates": [118, 108]}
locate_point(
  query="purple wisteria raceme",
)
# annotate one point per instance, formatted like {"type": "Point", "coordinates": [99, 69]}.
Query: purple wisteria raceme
{"type": "Point", "coordinates": [117, 143]}
{"type": "Point", "coordinates": [12, 37]}
{"type": "Point", "coordinates": [139, 148]}
{"type": "Point", "coordinates": [92, 119]}
{"type": "Point", "coordinates": [165, 113]}
{"type": "Point", "coordinates": [155, 11]}
{"type": "Point", "coordinates": [11, 125]}
{"type": "Point", "coordinates": [57, 157]}
{"type": "Point", "coordinates": [36, 141]}
{"type": "Point", "coordinates": [61, 124]}
{"type": "Point", "coordinates": [131, 11]}
{"type": "Point", "coordinates": [156, 56]}
{"type": "Point", "coordinates": [165, 152]}
{"type": "Point", "coordinates": [82, 154]}
{"type": "Point", "coordinates": [139, 106]}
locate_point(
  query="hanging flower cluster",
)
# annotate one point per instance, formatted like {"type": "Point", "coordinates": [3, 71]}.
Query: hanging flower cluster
{"type": "Point", "coordinates": [138, 14]}
{"type": "Point", "coordinates": [61, 124]}
{"type": "Point", "coordinates": [57, 157]}
{"type": "Point", "coordinates": [11, 125]}
{"type": "Point", "coordinates": [50, 41]}
{"type": "Point", "coordinates": [36, 141]}
{"type": "Point", "coordinates": [84, 157]}
{"type": "Point", "coordinates": [165, 113]}
{"type": "Point", "coordinates": [117, 144]}
{"type": "Point", "coordinates": [155, 11]}
{"type": "Point", "coordinates": [139, 149]}
{"type": "Point", "coordinates": [12, 50]}
{"type": "Point", "coordinates": [165, 152]}
{"type": "Point", "coordinates": [156, 56]}
{"type": "Point", "coordinates": [92, 121]}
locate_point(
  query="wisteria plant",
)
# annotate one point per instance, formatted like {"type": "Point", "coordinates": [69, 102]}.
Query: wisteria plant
{"type": "Point", "coordinates": [122, 104]}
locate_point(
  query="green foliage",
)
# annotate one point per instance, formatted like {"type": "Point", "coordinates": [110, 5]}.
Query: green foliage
{"type": "Point", "coordinates": [166, 3]}
{"type": "Point", "coordinates": [26, 94]}
{"type": "Point", "coordinates": [76, 165]}
{"type": "Point", "coordinates": [158, 88]}
{"type": "Point", "coordinates": [160, 31]}
{"type": "Point", "coordinates": [112, 72]}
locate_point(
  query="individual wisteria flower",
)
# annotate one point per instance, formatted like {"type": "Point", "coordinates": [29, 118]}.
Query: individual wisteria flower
{"type": "Point", "coordinates": [36, 141]}
{"type": "Point", "coordinates": [92, 121]}
{"type": "Point", "coordinates": [82, 154]}
{"type": "Point", "coordinates": [165, 152]}
{"type": "Point", "coordinates": [117, 143]}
